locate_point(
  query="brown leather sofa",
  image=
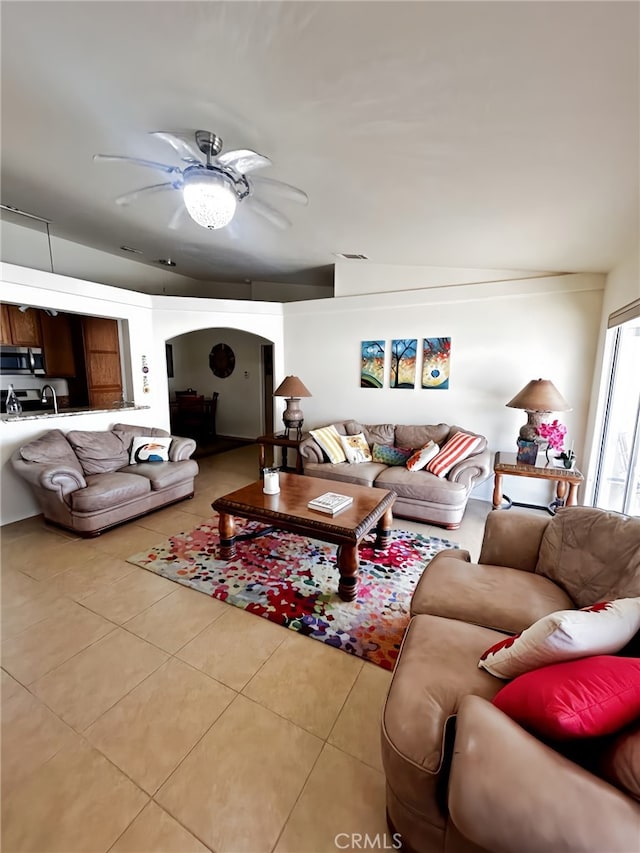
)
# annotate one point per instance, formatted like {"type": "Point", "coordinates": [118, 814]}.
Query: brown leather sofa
{"type": "Point", "coordinates": [461, 775]}
{"type": "Point", "coordinates": [83, 480]}
{"type": "Point", "coordinates": [421, 496]}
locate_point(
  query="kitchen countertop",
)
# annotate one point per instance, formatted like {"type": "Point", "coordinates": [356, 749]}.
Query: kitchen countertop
{"type": "Point", "coordinates": [81, 410]}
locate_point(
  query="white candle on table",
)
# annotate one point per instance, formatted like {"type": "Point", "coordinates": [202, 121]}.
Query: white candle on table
{"type": "Point", "coordinates": [271, 483]}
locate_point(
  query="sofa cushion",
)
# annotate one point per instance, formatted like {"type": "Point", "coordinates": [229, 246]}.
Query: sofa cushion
{"type": "Point", "coordinates": [620, 762]}
{"type": "Point", "coordinates": [565, 635]}
{"type": "Point", "coordinates": [149, 448]}
{"type": "Point", "coordinates": [421, 486]}
{"type": "Point", "coordinates": [580, 548]}
{"type": "Point", "coordinates": [355, 447]}
{"type": "Point", "coordinates": [374, 433]}
{"type": "Point", "coordinates": [492, 596]}
{"type": "Point", "coordinates": [163, 475]}
{"type": "Point", "coordinates": [458, 447]}
{"type": "Point", "coordinates": [417, 436]}
{"type": "Point", "coordinates": [589, 697]}
{"type": "Point", "coordinates": [390, 455]}
{"type": "Point", "coordinates": [418, 460]}
{"type": "Point", "coordinates": [98, 451]}
{"type": "Point", "coordinates": [105, 491]}
{"type": "Point", "coordinates": [329, 440]}
{"type": "Point", "coordinates": [362, 473]}
{"type": "Point", "coordinates": [438, 670]}
{"type": "Point", "coordinates": [51, 448]}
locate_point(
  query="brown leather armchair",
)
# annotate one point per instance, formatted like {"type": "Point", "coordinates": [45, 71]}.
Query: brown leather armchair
{"type": "Point", "coordinates": [461, 775]}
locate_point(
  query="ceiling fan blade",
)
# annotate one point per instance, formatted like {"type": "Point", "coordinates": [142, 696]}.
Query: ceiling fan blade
{"type": "Point", "coordinates": [151, 164]}
{"type": "Point", "coordinates": [243, 160]}
{"type": "Point", "coordinates": [285, 190]}
{"type": "Point", "coordinates": [127, 198]}
{"type": "Point", "coordinates": [178, 217]}
{"type": "Point", "coordinates": [270, 213]}
{"type": "Point", "coordinates": [185, 149]}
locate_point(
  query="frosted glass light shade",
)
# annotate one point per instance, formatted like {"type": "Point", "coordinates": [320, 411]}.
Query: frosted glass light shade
{"type": "Point", "coordinates": [209, 197]}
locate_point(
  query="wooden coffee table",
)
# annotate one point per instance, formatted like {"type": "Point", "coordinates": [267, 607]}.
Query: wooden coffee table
{"type": "Point", "coordinates": [288, 511]}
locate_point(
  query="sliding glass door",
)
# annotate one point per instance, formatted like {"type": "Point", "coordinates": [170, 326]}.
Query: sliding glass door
{"type": "Point", "coordinates": [617, 485]}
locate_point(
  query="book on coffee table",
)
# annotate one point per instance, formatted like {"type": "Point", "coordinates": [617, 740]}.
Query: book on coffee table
{"type": "Point", "coordinates": [330, 502]}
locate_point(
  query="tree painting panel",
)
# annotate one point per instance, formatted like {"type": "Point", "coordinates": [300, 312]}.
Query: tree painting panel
{"type": "Point", "coordinates": [403, 363]}
{"type": "Point", "coordinates": [435, 363]}
{"type": "Point", "coordinates": [372, 364]}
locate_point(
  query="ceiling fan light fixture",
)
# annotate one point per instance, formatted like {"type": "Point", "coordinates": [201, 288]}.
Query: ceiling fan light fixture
{"type": "Point", "coordinates": [210, 197]}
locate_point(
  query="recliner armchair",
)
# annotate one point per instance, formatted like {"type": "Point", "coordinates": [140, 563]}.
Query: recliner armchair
{"type": "Point", "coordinates": [461, 775]}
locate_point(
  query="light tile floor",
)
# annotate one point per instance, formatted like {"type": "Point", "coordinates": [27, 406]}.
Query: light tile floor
{"type": "Point", "coordinates": [139, 716]}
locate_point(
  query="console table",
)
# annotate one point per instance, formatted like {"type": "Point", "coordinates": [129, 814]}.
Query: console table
{"type": "Point", "coordinates": [567, 480]}
{"type": "Point", "coordinates": [284, 443]}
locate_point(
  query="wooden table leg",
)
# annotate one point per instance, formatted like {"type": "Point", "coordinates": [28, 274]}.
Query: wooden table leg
{"type": "Point", "coordinates": [572, 499]}
{"type": "Point", "coordinates": [348, 561]}
{"type": "Point", "coordinates": [561, 490]}
{"type": "Point", "coordinates": [261, 459]}
{"type": "Point", "coordinates": [227, 530]}
{"type": "Point", "coordinates": [497, 491]}
{"type": "Point", "coordinates": [383, 531]}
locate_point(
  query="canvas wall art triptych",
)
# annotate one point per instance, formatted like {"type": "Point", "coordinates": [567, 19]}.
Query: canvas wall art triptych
{"type": "Point", "coordinates": [403, 362]}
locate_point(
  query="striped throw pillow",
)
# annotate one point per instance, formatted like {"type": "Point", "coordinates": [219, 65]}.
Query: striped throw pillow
{"type": "Point", "coordinates": [329, 440]}
{"type": "Point", "coordinates": [459, 446]}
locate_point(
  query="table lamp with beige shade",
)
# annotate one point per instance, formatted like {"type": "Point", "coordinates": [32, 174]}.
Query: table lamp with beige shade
{"type": "Point", "coordinates": [539, 398]}
{"type": "Point", "coordinates": [292, 389]}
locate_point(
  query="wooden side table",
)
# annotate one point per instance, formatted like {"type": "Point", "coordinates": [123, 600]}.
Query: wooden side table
{"type": "Point", "coordinates": [567, 480]}
{"type": "Point", "coordinates": [285, 443]}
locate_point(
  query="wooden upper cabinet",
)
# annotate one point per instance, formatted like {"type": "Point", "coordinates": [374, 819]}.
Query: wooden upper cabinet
{"type": "Point", "coordinates": [102, 359]}
{"type": "Point", "coordinates": [21, 328]}
{"type": "Point", "coordinates": [57, 343]}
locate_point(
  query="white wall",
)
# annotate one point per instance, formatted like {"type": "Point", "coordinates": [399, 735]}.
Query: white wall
{"type": "Point", "coordinates": [240, 404]}
{"type": "Point", "coordinates": [276, 291]}
{"type": "Point", "coordinates": [151, 321]}
{"type": "Point", "coordinates": [503, 335]}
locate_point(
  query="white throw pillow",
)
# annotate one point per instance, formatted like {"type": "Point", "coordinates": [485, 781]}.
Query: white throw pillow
{"type": "Point", "coordinates": [329, 440]}
{"type": "Point", "coordinates": [418, 460]}
{"type": "Point", "coordinates": [149, 448]}
{"type": "Point", "coordinates": [356, 448]}
{"type": "Point", "coordinates": [601, 629]}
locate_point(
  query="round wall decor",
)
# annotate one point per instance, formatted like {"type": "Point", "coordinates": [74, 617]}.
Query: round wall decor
{"type": "Point", "coordinates": [222, 360]}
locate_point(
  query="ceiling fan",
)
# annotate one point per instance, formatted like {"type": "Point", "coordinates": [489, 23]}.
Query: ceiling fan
{"type": "Point", "coordinates": [212, 187]}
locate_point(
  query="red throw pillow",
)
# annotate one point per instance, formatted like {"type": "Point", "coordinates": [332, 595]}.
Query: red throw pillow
{"type": "Point", "coordinates": [579, 698]}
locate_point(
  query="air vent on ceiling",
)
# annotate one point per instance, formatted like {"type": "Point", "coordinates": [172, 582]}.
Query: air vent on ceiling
{"type": "Point", "coordinates": [351, 257]}
{"type": "Point", "coordinates": [131, 249]}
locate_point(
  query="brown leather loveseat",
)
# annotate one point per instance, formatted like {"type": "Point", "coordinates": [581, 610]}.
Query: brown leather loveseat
{"type": "Point", "coordinates": [84, 480]}
{"type": "Point", "coordinates": [460, 774]}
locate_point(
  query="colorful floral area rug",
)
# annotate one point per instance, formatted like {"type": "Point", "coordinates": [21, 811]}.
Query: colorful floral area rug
{"type": "Point", "coordinates": [293, 580]}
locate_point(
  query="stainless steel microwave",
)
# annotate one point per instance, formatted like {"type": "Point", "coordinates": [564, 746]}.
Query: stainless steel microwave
{"type": "Point", "coordinates": [26, 360]}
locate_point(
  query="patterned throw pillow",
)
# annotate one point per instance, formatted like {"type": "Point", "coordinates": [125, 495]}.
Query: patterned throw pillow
{"type": "Point", "coordinates": [329, 440]}
{"type": "Point", "coordinates": [459, 446]}
{"type": "Point", "coordinates": [418, 460]}
{"type": "Point", "coordinates": [389, 455]}
{"type": "Point", "coordinates": [149, 448]}
{"type": "Point", "coordinates": [355, 448]}
{"type": "Point", "coordinates": [602, 629]}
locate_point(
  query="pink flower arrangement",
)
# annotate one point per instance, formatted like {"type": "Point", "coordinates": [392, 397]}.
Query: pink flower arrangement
{"type": "Point", "coordinates": [553, 434]}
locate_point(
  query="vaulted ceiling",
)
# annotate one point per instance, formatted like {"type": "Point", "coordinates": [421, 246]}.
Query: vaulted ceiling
{"type": "Point", "coordinates": [466, 134]}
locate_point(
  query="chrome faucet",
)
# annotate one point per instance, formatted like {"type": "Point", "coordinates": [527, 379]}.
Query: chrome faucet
{"type": "Point", "coordinates": [43, 399]}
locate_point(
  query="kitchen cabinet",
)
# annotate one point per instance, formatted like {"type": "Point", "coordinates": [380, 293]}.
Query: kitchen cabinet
{"type": "Point", "coordinates": [57, 343]}
{"type": "Point", "coordinates": [102, 360]}
{"type": "Point", "coordinates": [20, 328]}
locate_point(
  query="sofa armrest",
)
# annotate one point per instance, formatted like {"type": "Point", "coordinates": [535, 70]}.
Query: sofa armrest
{"type": "Point", "coordinates": [510, 793]}
{"type": "Point", "coordinates": [310, 450]}
{"type": "Point", "coordinates": [512, 539]}
{"type": "Point", "coordinates": [181, 448]}
{"type": "Point", "coordinates": [472, 470]}
{"type": "Point", "coordinates": [55, 477]}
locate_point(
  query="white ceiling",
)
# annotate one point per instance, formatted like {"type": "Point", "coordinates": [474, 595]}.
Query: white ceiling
{"type": "Point", "coordinates": [480, 134]}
